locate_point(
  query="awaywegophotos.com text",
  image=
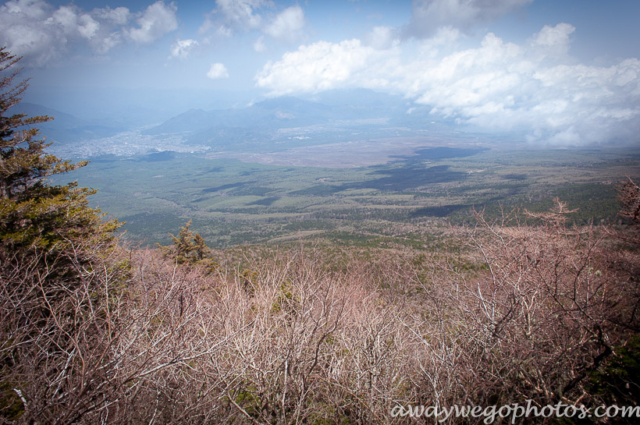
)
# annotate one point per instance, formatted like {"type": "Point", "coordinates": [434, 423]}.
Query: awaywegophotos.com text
{"type": "Point", "coordinates": [515, 411]}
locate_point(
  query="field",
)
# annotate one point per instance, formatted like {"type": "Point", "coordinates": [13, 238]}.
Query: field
{"type": "Point", "coordinates": [388, 197]}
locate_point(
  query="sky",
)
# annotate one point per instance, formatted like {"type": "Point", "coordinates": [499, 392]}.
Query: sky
{"type": "Point", "coordinates": [561, 72]}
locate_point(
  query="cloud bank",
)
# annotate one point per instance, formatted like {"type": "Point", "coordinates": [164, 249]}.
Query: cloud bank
{"type": "Point", "coordinates": [535, 87]}
{"type": "Point", "coordinates": [429, 15]}
{"type": "Point", "coordinates": [157, 20]}
{"type": "Point", "coordinates": [42, 33]}
{"type": "Point", "coordinates": [231, 16]}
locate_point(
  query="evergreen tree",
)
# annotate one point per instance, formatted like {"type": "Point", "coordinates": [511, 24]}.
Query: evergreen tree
{"type": "Point", "coordinates": [190, 249]}
{"type": "Point", "coordinates": [34, 215]}
{"type": "Point", "coordinates": [629, 197]}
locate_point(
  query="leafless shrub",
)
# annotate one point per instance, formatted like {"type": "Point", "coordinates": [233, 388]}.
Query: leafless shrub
{"type": "Point", "coordinates": [521, 313]}
{"type": "Point", "coordinates": [56, 335]}
{"type": "Point", "coordinates": [530, 323]}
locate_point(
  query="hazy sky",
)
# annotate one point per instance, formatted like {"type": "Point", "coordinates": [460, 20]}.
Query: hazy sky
{"type": "Point", "coordinates": [563, 71]}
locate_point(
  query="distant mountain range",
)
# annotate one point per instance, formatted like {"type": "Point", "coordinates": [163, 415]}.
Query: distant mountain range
{"type": "Point", "coordinates": [269, 125]}
{"type": "Point", "coordinates": [64, 128]}
{"type": "Point", "coordinates": [281, 112]}
{"type": "Point", "coordinates": [282, 122]}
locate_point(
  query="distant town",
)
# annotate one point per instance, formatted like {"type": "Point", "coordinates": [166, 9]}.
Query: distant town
{"type": "Point", "coordinates": [126, 144]}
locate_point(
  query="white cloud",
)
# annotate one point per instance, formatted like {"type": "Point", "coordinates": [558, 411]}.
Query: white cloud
{"type": "Point", "coordinates": [382, 37]}
{"type": "Point", "coordinates": [429, 15]}
{"type": "Point", "coordinates": [287, 24]}
{"type": "Point", "coordinates": [65, 17]}
{"type": "Point", "coordinates": [323, 66]}
{"type": "Point", "coordinates": [156, 21]}
{"type": "Point", "coordinates": [534, 87]}
{"type": "Point", "coordinates": [35, 30]}
{"type": "Point", "coordinates": [110, 33]}
{"type": "Point", "coordinates": [232, 15]}
{"type": "Point", "coordinates": [224, 31]}
{"type": "Point", "coordinates": [254, 15]}
{"type": "Point", "coordinates": [217, 71]}
{"type": "Point", "coordinates": [42, 33]}
{"type": "Point", "coordinates": [182, 48]}
{"type": "Point", "coordinates": [88, 27]}
{"type": "Point", "coordinates": [240, 13]}
{"type": "Point", "coordinates": [554, 36]}
{"type": "Point", "coordinates": [34, 9]}
{"type": "Point", "coordinates": [118, 16]}
{"type": "Point", "coordinates": [259, 45]}
{"type": "Point", "coordinates": [552, 42]}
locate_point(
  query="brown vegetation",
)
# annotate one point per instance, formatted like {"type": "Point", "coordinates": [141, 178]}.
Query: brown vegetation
{"type": "Point", "coordinates": [527, 313]}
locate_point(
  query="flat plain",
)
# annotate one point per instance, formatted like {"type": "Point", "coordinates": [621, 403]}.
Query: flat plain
{"type": "Point", "coordinates": [405, 191]}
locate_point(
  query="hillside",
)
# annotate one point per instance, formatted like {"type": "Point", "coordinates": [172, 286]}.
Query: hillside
{"type": "Point", "coordinates": [65, 128]}
{"type": "Point", "coordinates": [285, 122]}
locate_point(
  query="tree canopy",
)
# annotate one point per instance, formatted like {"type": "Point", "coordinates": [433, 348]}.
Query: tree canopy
{"type": "Point", "coordinates": [33, 213]}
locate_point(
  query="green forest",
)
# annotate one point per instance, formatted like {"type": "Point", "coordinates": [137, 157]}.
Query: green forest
{"type": "Point", "coordinates": [353, 308]}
